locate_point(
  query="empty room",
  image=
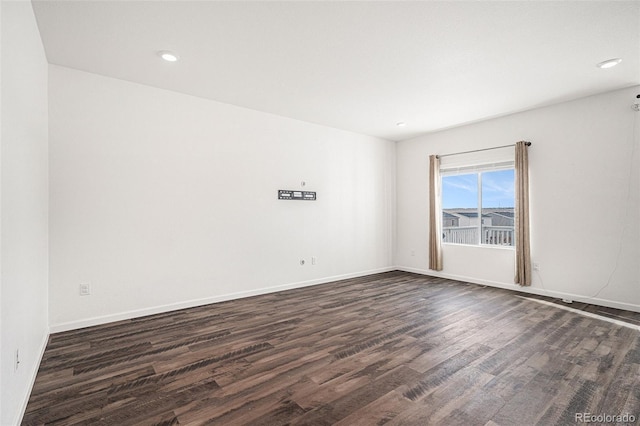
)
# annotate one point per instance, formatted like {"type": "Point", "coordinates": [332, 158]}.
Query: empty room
{"type": "Point", "coordinates": [319, 212]}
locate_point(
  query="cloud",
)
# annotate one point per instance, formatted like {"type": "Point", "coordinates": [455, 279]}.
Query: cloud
{"type": "Point", "coordinates": [465, 182]}
{"type": "Point", "coordinates": [461, 190]}
{"type": "Point", "coordinates": [502, 186]}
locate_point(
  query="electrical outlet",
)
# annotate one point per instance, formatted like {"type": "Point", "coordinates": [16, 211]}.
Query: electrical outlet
{"type": "Point", "coordinates": [85, 289]}
{"type": "Point", "coordinates": [17, 364]}
{"type": "Point", "coordinates": [313, 260]}
{"type": "Point", "coordinates": [536, 266]}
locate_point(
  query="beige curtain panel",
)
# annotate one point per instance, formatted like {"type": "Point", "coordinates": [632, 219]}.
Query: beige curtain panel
{"type": "Point", "coordinates": [435, 224]}
{"type": "Point", "coordinates": [523, 250]}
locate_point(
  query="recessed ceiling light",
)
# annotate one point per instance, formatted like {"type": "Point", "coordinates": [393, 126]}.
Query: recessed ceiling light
{"type": "Point", "coordinates": [609, 63]}
{"type": "Point", "coordinates": [401, 124]}
{"type": "Point", "coordinates": [168, 56]}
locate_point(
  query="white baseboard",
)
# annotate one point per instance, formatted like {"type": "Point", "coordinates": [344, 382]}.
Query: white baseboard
{"type": "Point", "coordinates": [88, 322]}
{"type": "Point", "coordinates": [530, 290]}
{"type": "Point", "coordinates": [34, 374]}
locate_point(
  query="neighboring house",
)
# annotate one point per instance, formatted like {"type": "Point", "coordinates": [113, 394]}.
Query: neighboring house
{"type": "Point", "coordinates": [450, 220]}
{"type": "Point", "coordinates": [501, 217]}
{"type": "Point", "coordinates": [498, 216]}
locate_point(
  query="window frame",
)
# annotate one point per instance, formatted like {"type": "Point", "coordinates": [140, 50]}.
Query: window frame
{"type": "Point", "coordinates": [478, 170]}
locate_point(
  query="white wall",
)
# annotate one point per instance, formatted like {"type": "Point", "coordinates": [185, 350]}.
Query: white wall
{"type": "Point", "coordinates": [584, 188]}
{"type": "Point", "coordinates": [161, 200]}
{"type": "Point", "coordinates": [24, 192]}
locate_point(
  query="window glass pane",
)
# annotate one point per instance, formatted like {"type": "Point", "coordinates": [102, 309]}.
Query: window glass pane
{"type": "Point", "coordinates": [498, 207]}
{"type": "Point", "coordinates": [460, 209]}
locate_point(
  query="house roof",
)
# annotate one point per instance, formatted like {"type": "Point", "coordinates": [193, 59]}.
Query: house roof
{"type": "Point", "coordinates": [507, 214]}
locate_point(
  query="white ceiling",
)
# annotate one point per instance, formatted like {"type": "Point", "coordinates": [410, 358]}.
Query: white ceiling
{"type": "Point", "coordinates": [358, 66]}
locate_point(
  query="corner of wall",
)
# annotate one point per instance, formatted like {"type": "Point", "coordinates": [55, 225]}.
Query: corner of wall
{"type": "Point", "coordinates": [24, 197]}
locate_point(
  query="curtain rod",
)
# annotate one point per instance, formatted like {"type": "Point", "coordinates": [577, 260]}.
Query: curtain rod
{"type": "Point", "coordinates": [479, 150]}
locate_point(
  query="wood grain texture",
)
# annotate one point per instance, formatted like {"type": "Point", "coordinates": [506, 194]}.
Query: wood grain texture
{"type": "Point", "coordinates": [393, 348]}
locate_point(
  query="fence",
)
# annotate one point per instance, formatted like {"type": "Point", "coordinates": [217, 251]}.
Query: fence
{"type": "Point", "coordinates": [491, 235]}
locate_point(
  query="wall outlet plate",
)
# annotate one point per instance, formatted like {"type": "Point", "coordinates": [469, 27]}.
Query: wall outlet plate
{"type": "Point", "coordinates": [85, 289]}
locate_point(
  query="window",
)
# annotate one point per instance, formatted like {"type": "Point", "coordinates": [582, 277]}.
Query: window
{"type": "Point", "coordinates": [478, 203]}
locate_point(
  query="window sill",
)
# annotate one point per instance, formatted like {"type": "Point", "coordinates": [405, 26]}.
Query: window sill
{"type": "Point", "coordinates": [483, 246]}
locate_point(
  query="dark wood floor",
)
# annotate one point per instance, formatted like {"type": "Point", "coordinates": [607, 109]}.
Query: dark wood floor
{"type": "Point", "coordinates": [393, 348]}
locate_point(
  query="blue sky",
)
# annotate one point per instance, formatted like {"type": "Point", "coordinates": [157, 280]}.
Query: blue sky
{"type": "Point", "coordinates": [461, 191]}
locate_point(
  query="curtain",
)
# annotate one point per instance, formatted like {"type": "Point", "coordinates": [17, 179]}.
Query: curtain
{"type": "Point", "coordinates": [435, 224]}
{"type": "Point", "coordinates": [523, 250]}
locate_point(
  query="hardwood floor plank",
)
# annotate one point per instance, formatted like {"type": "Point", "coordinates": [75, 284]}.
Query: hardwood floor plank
{"type": "Point", "coordinates": [437, 406]}
{"type": "Point", "coordinates": [393, 348]}
{"type": "Point", "coordinates": [336, 409]}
